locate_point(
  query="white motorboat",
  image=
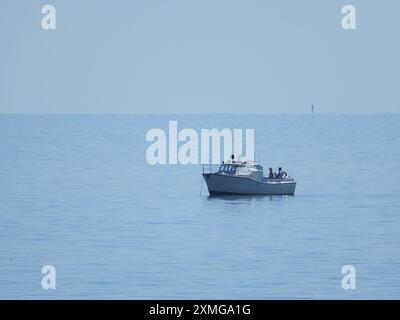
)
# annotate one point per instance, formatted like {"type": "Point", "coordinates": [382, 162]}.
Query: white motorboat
{"type": "Point", "coordinates": [246, 178]}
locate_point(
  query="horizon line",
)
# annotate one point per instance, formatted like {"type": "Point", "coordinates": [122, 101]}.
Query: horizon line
{"type": "Point", "coordinates": [199, 113]}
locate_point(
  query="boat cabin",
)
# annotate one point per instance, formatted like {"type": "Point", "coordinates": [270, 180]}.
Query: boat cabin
{"type": "Point", "coordinates": [251, 170]}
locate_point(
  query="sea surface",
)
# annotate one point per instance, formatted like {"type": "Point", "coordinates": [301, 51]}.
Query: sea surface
{"type": "Point", "coordinates": [77, 193]}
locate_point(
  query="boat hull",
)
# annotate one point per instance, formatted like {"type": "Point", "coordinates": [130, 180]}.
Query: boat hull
{"type": "Point", "coordinates": [220, 184]}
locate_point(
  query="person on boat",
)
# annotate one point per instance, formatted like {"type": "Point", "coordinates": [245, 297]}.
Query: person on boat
{"type": "Point", "coordinates": [281, 174]}
{"type": "Point", "coordinates": [271, 175]}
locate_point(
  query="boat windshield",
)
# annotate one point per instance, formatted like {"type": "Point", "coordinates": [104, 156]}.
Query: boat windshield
{"type": "Point", "coordinates": [227, 168]}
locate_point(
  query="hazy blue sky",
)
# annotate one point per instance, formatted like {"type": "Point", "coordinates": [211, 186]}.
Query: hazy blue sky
{"type": "Point", "coordinates": [199, 56]}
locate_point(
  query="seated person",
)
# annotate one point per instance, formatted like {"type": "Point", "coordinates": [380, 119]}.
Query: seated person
{"type": "Point", "coordinates": [281, 174]}
{"type": "Point", "coordinates": [271, 175]}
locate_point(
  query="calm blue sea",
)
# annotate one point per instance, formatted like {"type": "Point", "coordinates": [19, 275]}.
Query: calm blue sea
{"type": "Point", "coordinates": [77, 193]}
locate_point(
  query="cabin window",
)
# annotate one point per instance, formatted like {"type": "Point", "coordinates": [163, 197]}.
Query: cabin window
{"type": "Point", "coordinates": [227, 168]}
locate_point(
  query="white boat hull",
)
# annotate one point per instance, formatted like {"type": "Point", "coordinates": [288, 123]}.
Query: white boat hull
{"type": "Point", "coordinates": [221, 184]}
